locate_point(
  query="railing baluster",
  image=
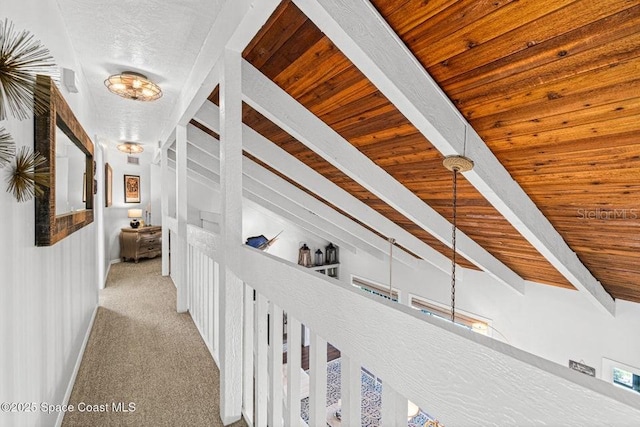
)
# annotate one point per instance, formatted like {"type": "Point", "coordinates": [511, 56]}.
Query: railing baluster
{"type": "Point", "coordinates": [210, 311]}
{"type": "Point", "coordinates": [317, 380]}
{"type": "Point", "coordinates": [262, 385]}
{"type": "Point", "coordinates": [275, 365]}
{"type": "Point", "coordinates": [394, 407]}
{"type": "Point", "coordinates": [200, 294]}
{"type": "Point", "coordinates": [292, 417]}
{"type": "Point", "coordinates": [216, 309]}
{"type": "Point", "coordinates": [247, 353]}
{"type": "Point", "coordinates": [193, 285]}
{"type": "Point", "coordinates": [189, 260]}
{"type": "Point", "coordinates": [351, 383]}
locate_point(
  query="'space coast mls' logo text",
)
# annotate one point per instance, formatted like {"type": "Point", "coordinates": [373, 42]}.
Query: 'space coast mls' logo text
{"type": "Point", "coordinates": [608, 214]}
{"type": "Point", "coordinates": [122, 407]}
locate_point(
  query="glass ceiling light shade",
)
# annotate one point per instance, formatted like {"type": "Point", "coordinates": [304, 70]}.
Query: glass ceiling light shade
{"type": "Point", "coordinates": [131, 85]}
{"type": "Point", "coordinates": [130, 148]}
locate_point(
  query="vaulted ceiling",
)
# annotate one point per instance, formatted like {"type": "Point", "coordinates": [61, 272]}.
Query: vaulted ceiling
{"type": "Point", "coordinates": [552, 87]}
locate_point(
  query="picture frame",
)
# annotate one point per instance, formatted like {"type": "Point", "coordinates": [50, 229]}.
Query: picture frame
{"type": "Point", "coordinates": [132, 188]}
{"type": "Point", "coordinates": [108, 185]}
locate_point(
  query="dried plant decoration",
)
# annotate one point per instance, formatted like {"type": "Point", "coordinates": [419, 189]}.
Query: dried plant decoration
{"type": "Point", "coordinates": [29, 175]}
{"type": "Point", "coordinates": [7, 147]}
{"type": "Point", "coordinates": [21, 58]}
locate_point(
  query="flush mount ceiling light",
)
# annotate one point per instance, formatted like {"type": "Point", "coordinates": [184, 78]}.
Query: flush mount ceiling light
{"type": "Point", "coordinates": [131, 85]}
{"type": "Point", "coordinates": [130, 148]}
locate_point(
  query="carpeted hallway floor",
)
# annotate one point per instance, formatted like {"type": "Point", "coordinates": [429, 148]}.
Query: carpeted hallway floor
{"type": "Point", "coordinates": [145, 356]}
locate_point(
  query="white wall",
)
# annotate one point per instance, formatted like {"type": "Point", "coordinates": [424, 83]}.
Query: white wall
{"type": "Point", "coordinates": [554, 323]}
{"type": "Point", "coordinates": [48, 294]}
{"type": "Point", "coordinates": [115, 217]}
{"type": "Point", "coordinates": [257, 220]}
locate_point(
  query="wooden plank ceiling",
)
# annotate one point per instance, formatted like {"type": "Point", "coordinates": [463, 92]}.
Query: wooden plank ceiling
{"type": "Point", "coordinates": [553, 88]}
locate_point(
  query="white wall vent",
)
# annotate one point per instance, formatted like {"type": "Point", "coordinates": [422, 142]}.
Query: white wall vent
{"type": "Point", "coordinates": [133, 160]}
{"type": "Point", "coordinates": [69, 80]}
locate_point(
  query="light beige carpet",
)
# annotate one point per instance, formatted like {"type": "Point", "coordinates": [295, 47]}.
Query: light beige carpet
{"type": "Point", "coordinates": [143, 354]}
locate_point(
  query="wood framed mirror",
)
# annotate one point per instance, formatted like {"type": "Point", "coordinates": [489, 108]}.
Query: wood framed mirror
{"type": "Point", "coordinates": [67, 205]}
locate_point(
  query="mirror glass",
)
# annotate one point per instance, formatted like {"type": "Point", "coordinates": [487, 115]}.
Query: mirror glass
{"type": "Point", "coordinates": [71, 179]}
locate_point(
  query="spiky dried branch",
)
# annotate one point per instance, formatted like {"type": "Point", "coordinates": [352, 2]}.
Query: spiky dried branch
{"type": "Point", "coordinates": [29, 175]}
{"type": "Point", "coordinates": [7, 147]}
{"type": "Point", "coordinates": [21, 59]}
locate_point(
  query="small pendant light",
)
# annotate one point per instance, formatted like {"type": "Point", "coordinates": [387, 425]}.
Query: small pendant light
{"type": "Point", "coordinates": [455, 164]}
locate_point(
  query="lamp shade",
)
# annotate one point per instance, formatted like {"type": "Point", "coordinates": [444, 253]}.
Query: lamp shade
{"type": "Point", "coordinates": [135, 213]}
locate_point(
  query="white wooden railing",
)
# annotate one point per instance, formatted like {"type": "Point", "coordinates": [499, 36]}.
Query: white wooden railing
{"type": "Point", "coordinates": [461, 377]}
{"type": "Point", "coordinates": [204, 286]}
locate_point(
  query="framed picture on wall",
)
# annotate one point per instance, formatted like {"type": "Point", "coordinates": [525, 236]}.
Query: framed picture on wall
{"type": "Point", "coordinates": [108, 185]}
{"type": "Point", "coordinates": [132, 189]}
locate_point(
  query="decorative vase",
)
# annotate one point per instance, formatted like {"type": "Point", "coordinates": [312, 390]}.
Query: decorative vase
{"type": "Point", "coordinates": [134, 223]}
{"type": "Point", "coordinates": [304, 256]}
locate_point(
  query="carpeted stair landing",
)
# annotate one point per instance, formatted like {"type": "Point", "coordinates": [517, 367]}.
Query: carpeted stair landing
{"type": "Point", "coordinates": [144, 357]}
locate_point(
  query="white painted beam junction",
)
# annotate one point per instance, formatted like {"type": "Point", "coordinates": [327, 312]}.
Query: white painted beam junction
{"type": "Point", "coordinates": [279, 107]}
{"type": "Point", "coordinates": [234, 27]}
{"type": "Point", "coordinates": [276, 157]}
{"type": "Point", "coordinates": [358, 30]}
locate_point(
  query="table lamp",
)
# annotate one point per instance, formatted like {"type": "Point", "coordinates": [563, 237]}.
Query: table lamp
{"type": "Point", "coordinates": [135, 214]}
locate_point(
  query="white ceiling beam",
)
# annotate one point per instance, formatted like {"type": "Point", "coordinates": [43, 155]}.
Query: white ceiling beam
{"type": "Point", "coordinates": [358, 30]}
{"type": "Point", "coordinates": [195, 171]}
{"type": "Point", "coordinates": [262, 197]}
{"type": "Point", "coordinates": [314, 211]}
{"type": "Point", "coordinates": [276, 157]}
{"type": "Point", "coordinates": [204, 159]}
{"type": "Point", "coordinates": [279, 107]}
{"type": "Point", "coordinates": [298, 213]}
{"type": "Point", "coordinates": [284, 212]}
{"type": "Point", "coordinates": [271, 188]}
{"type": "Point", "coordinates": [235, 26]}
{"type": "Point", "coordinates": [266, 197]}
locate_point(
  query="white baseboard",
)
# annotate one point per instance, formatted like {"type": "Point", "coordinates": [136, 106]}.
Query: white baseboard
{"type": "Point", "coordinates": [76, 368]}
{"type": "Point", "coordinates": [106, 274]}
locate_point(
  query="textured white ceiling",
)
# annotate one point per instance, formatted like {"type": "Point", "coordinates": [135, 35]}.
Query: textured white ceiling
{"type": "Point", "coordinates": [160, 39]}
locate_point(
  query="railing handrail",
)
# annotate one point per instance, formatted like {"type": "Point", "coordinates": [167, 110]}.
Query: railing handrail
{"type": "Point", "coordinates": [171, 223]}
{"type": "Point", "coordinates": [512, 387]}
{"type": "Point", "coordinates": [206, 241]}
{"type": "Point", "coordinates": [430, 361]}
